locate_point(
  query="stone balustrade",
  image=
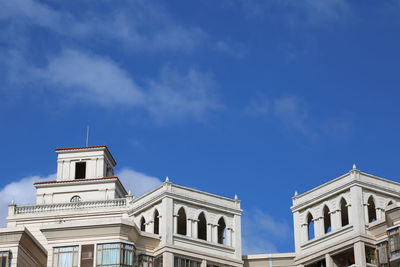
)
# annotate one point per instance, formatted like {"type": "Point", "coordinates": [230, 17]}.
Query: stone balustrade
{"type": "Point", "coordinates": [121, 202]}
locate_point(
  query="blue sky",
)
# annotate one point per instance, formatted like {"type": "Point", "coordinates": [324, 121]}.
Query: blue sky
{"type": "Point", "coordinates": [258, 98]}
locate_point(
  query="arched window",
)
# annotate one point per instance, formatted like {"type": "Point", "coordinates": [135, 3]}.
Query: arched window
{"type": "Point", "coordinates": [327, 220]}
{"type": "Point", "coordinates": [156, 222]}
{"type": "Point", "coordinates": [221, 230]}
{"type": "Point", "coordinates": [371, 210]}
{"type": "Point", "coordinates": [76, 199]}
{"type": "Point", "coordinates": [390, 203]}
{"type": "Point", "coordinates": [143, 224]}
{"type": "Point", "coordinates": [182, 221]}
{"type": "Point", "coordinates": [310, 227]}
{"type": "Point", "coordinates": [202, 227]}
{"type": "Point", "coordinates": [344, 212]}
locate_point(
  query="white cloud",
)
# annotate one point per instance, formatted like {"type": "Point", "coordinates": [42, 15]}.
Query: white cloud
{"type": "Point", "coordinates": [137, 182]}
{"type": "Point", "coordinates": [91, 79]}
{"type": "Point", "coordinates": [22, 192]}
{"type": "Point", "coordinates": [99, 80]}
{"type": "Point", "coordinates": [260, 230]}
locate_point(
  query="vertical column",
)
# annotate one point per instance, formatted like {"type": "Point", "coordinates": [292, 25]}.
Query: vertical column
{"type": "Point", "coordinates": [298, 230]}
{"type": "Point", "coordinates": [59, 169]}
{"type": "Point", "coordinates": [366, 215]}
{"type": "Point", "coordinates": [335, 219]}
{"type": "Point", "coordinates": [194, 230]}
{"type": "Point", "coordinates": [214, 231]}
{"type": "Point", "coordinates": [329, 261]}
{"type": "Point", "coordinates": [319, 226]}
{"type": "Point", "coordinates": [237, 224]}
{"type": "Point", "coordinates": [359, 254]}
{"type": "Point", "coordinates": [150, 227]}
{"type": "Point", "coordinates": [189, 227]}
{"type": "Point", "coordinates": [203, 263]}
{"type": "Point", "coordinates": [167, 223]}
{"type": "Point", "coordinates": [229, 237]}
{"type": "Point", "coordinates": [168, 259]}
{"type": "Point", "coordinates": [176, 223]}
{"type": "Point", "coordinates": [209, 232]}
{"type": "Point", "coordinates": [357, 210]}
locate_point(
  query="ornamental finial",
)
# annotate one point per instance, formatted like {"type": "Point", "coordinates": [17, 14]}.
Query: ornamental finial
{"type": "Point", "coordinates": [167, 179]}
{"type": "Point", "coordinates": [354, 167]}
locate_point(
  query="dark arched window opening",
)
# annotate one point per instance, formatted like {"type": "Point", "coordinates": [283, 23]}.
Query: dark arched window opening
{"type": "Point", "coordinates": [310, 227]}
{"type": "Point", "coordinates": [371, 210]}
{"type": "Point", "coordinates": [181, 222]}
{"type": "Point", "coordinates": [202, 227]}
{"type": "Point", "coordinates": [327, 220]}
{"type": "Point", "coordinates": [156, 222]}
{"type": "Point", "coordinates": [344, 212]}
{"type": "Point", "coordinates": [221, 230]}
{"type": "Point", "coordinates": [143, 224]}
{"type": "Point", "coordinates": [390, 203]}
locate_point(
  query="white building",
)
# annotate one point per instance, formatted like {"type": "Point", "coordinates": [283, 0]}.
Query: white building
{"type": "Point", "coordinates": [86, 218]}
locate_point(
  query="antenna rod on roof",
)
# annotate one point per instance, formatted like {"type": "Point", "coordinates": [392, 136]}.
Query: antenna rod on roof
{"type": "Point", "coordinates": [87, 135]}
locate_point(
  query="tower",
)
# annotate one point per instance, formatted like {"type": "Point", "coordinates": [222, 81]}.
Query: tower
{"type": "Point", "coordinates": [83, 174]}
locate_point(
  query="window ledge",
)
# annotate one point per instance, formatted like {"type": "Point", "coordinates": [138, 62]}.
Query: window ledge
{"type": "Point", "coordinates": [204, 243]}
{"type": "Point", "coordinates": [326, 236]}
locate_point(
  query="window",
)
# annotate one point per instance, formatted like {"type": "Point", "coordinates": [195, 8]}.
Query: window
{"type": "Point", "coordinates": [156, 222]}
{"type": "Point", "coordinates": [310, 227]}
{"type": "Point", "coordinates": [4, 258]}
{"type": "Point", "coordinates": [87, 255]}
{"type": "Point", "coordinates": [327, 220]}
{"type": "Point", "coordinates": [221, 230]}
{"type": "Point", "coordinates": [344, 212]}
{"type": "Point", "coordinates": [115, 255]}
{"type": "Point", "coordinates": [145, 261]}
{"type": "Point", "coordinates": [371, 210]}
{"type": "Point", "coordinates": [76, 199]}
{"type": "Point", "coordinates": [143, 224]}
{"type": "Point", "coordinates": [181, 262]}
{"type": "Point", "coordinates": [80, 170]}
{"type": "Point", "coordinates": [202, 227]}
{"type": "Point", "coordinates": [182, 221]}
{"type": "Point", "coordinates": [382, 253]}
{"type": "Point", "coordinates": [158, 261]}
{"type": "Point", "coordinates": [66, 257]}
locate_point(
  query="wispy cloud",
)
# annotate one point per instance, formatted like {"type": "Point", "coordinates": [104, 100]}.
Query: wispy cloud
{"type": "Point", "coordinates": [137, 25]}
{"type": "Point", "coordinates": [260, 230]}
{"type": "Point", "coordinates": [89, 78]}
{"type": "Point", "coordinates": [290, 110]}
{"type": "Point", "coordinates": [21, 192]}
{"type": "Point", "coordinates": [293, 113]}
{"type": "Point", "coordinates": [137, 182]}
{"type": "Point", "coordinates": [297, 11]}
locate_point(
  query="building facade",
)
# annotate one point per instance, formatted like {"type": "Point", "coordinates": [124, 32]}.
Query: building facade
{"type": "Point", "coordinates": [86, 218]}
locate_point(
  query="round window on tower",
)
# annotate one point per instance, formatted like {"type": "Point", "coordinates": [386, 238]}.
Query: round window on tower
{"type": "Point", "coordinates": [76, 199]}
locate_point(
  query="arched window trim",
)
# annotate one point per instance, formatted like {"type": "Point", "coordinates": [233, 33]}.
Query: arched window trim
{"type": "Point", "coordinates": [76, 198]}
{"type": "Point", "coordinates": [202, 227]}
{"type": "Point", "coordinates": [310, 226]}
{"type": "Point", "coordinates": [344, 211]}
{"type": "Point", "coordinates": [156, 223]}
{"type": "Point", "coordinates": [221, 232]}
{"type": "Point", "coordinates": [327, 219]}
{"type": "Point", "coordinates": [371, 209]}
{"type": "Point", "coordinates": [143, 224]}
{"type": "Point", "coordinates": [182, 221]}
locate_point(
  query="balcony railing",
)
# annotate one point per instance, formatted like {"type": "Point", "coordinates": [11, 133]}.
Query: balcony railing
{"type": "Point", "coordinates": [120, 202]}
